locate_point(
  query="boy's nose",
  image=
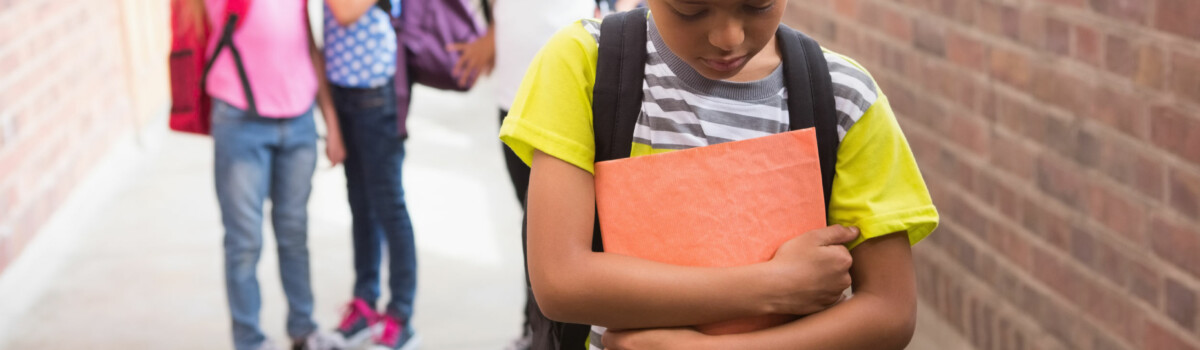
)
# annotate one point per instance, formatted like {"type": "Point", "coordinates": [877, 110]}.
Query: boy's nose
{"type": "Point", "coordinates": [728, 36]}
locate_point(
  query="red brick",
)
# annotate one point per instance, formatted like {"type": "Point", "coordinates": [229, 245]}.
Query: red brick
{"type": "Point", "coordinates": [1050, 226]}
{"type": "Point", "coordinates": [1116, 314]}
{"type": "Point", "coordinates": [1118, 213]}
{"type": "Point", "coordinates": [1178, 17]}
{"type": "Point", "coordinates": [1185, 74]}
{"type": "Point", "coordinates": [1180, 304]}
{"type": "Point", "coordinates": [1122, 161]}
{"type": "Point", "coordinates": [1072, 3]}
{"type": "Point", "coordinates": [1123, 111]}
{"type": "Point", "coordinates": [1010, 155]}
{"type": "Point", "coordinates": [1185, 192]}
{"type": "Point", "coordinates": [1136, 11]}
{"type": "Point", "coordinates": [1121, 55]}
{"type": "Point", "coordinates": [1176, 243]}
{"type": "Point", "coordinates": [1087, 45]}
{"type": "Point", "coordinates": [1058, 36]}
{"type": "Point", "coordinates": [1144, 282]}
{"type": "Point", "coordinates": [845, 8]}
{"type": "Point", "coordinates": [972, 134]}
{"type": "Point", "coordinates": [1152, 68]}
{"type": "Point", "coordinates": [1062, 89]}
{"type": "Point", "coordinates": [1010, 67]}
{"type": "Point", "coordinates": [1177, 132]}
{"type": "Point", "coordinates": [1032, 29]}
{"type": "Point", "coordinates": [966, 51]}
{"type": "Point", "coordinates": [1159, 338]}
{"type": "Point", "coordinates": [930, 37]}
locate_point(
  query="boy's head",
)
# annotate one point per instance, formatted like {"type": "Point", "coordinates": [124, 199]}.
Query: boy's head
{"type": "Point", "coordinates": [719, 38]}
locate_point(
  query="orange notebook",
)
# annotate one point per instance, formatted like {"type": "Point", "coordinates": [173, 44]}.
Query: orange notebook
{"type": "Point", "coordinates": [723, 205]}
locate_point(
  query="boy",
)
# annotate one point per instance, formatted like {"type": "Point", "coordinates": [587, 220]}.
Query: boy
{"type": "Point", "coordinates": [713, 75]}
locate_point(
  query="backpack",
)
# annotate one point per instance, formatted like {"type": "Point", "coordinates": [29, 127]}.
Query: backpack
{"type": "Point", "coordinates": [617, 101]}
{"type": "Point", "coordinates": [423, 30]}
{"type": "Point", "coordinates": [191, 107]}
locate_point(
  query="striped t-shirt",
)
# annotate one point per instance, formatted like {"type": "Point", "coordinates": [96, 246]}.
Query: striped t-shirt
{"type": "Point", "coordinates": [682, 109]}
{"type": "Point", "coordinates": [877, 188]}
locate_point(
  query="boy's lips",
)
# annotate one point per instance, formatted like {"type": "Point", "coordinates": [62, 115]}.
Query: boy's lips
{"type": "Point", "coordinates": [724, 64]}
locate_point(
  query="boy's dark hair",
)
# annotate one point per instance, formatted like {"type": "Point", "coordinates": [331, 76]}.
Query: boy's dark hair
{"type": "Point", "coordinates": [617, 101]}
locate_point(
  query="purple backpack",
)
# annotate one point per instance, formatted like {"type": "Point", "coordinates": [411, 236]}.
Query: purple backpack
{"type": "Point", "coordinates": [423, 30]}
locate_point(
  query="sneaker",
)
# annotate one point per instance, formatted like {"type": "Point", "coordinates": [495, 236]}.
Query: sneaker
{"type": "Point", "coordinates": [395, 335]}
{"type": "Point", "coordinates": [319, 341]}
{"type": "Point", "coordinates": [355, 328]}
{"type": "Point", "coordinates": [267, 345]}
{"type": "Point", "coordinates": [524, 342]}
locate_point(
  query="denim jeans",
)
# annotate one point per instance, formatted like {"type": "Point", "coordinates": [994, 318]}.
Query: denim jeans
{"type": "Point", "coordinates": [374, 163]}
{"type": "Point", "coordinates": [257, 157]}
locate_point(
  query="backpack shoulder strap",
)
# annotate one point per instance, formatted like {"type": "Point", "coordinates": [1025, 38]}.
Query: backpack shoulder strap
{"type": "Point", "coordinates": [617, 95]}
{"type": "Point", "coordinates": [810, 97]}
{"type": "Point", "coordinates": [226, 41]}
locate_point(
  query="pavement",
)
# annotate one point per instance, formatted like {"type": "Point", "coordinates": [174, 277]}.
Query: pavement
{"type": "Point", "coordinates": [133, 261]}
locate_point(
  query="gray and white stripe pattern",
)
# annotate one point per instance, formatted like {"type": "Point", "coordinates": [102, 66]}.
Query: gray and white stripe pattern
{"type": "Point", "coordinates": [681, 109]}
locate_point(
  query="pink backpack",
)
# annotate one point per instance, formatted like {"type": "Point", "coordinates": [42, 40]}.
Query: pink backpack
{"type": "Point", "coordinates": [191, 107]}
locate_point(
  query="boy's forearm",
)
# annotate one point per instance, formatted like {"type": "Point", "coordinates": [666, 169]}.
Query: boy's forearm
{"type": "Point", "coordinates": [880, 315]}
{"type": "Point", "coordinates": [599, 289]}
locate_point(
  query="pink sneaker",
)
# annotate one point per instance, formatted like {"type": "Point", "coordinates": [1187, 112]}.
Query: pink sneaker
{"type": "Point", "coordinates": [355, 328]}
{"type": "Point", "coordinates": [395, 335]}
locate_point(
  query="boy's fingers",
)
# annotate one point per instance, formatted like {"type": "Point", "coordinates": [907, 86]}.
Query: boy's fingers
{"type": "Point", "coordinates": [837, 235]}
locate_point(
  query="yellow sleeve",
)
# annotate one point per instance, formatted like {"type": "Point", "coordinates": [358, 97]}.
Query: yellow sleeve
{"type": "Point", "coordinates": [553, 108]}
{"type": "Point", "coordinates": [878, 187]}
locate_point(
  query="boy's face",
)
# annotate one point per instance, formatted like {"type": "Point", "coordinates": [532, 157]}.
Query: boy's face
{"type": "Point", "coordinates": [719, 37]}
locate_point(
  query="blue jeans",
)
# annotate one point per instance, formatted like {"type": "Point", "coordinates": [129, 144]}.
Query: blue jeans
{"type": "Point", "coordinates": [374, 163]}
{"type": "Point", "coordinates": [257, 157]}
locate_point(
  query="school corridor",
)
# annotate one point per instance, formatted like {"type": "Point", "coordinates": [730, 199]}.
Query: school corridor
{"type": "Point", "coordinates": [135, 261]}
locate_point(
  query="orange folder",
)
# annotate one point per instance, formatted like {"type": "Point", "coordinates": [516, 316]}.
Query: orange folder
{"type": "Point", "coordinates": [723, 205]}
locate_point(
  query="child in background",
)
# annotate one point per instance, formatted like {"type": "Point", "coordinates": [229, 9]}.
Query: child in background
{"type": "Point", "coordinates": [713, 74]}
{"type": "Point", "coordinates": [272, 153]}
{"type": "Point", "coordinates": [360, 52]}
{"type": "Point", "coordinates": [519, 28]}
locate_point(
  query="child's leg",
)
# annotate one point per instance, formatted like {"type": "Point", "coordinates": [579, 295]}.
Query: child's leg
{"type": "Point", "coordinates": [367, 233]}
{"type": "Point", "coordinates": [291, 183]}
{"type": "Point", "coordinates": [242, 175]}
{"type": "Point", "coordinates": [381, 152]}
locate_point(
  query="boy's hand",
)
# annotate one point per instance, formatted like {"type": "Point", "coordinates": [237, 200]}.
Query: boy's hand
{"type": "Point", "coordinates": [477, 58]}
{"type": "Point", "coordinates": [656, 339]}
{"type": "Point", "coordinates": [811, 271]}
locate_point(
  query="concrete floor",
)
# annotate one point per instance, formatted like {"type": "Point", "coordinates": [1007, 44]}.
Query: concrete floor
{"type": "Point", "coordinates": [139, 265]}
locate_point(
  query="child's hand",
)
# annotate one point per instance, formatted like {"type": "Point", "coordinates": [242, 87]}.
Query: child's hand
{"type": "Point", "coordinates": [657, 339]}
{"type": "Point", "coordinates": [477, 58]}
{"type": "Point", "coordinates": [812, 270]}
{"type": "Point", "coordinates": [335, 150]}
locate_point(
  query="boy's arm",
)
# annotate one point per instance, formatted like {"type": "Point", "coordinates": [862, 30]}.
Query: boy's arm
{"type": "Point", "coordinates": [880, 315]}
{"type": "Point", "coordinates": [574, 284]}
{"type": "Point", "coordinates": [346, 12]}
{"type": "Point", "coordinates": [334, 149]}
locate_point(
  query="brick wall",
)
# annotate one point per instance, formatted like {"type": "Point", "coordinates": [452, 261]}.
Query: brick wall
{"type": "Point", "coordinates": [1061, 142]}
{"type": "Point", "coordinates": [68, 91]}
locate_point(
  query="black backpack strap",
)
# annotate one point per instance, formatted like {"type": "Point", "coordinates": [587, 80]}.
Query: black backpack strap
{"type": "Point", "coordinates": [226, 41]}
{"type": "Point", "coordinates": [810, 97]}
{"type": "Point", "coordinates": [617, 95]}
